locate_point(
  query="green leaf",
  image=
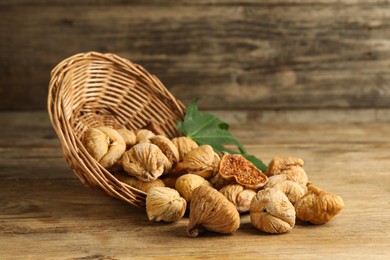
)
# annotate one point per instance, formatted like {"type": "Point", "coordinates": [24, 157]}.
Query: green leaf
{"type": "Point", "coordinates": [205, 128]}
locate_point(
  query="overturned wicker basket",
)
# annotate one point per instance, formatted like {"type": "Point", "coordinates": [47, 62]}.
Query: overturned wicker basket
{"type": "Point", "coordinates": [94, 89]}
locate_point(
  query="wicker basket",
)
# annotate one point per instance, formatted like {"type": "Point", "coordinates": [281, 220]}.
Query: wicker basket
{"type": "Point", "coordinates": [94, 89]}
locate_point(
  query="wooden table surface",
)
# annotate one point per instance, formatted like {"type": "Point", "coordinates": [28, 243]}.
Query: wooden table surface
{"type": "Point", "coordinates": [46, 213]}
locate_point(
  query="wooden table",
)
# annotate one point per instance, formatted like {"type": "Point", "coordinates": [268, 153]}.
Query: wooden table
{"type": "Point", "coordinates": [46, 213]}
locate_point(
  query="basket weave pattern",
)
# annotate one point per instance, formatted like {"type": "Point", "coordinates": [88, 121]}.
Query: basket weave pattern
{"type": "Point", "coordinates": [94, 89]}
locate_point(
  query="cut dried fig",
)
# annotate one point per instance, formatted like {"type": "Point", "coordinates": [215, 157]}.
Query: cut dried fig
{"type": "Point", "coordinates": [237, 167]}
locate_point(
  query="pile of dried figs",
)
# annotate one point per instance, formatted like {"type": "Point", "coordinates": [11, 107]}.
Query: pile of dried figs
{"type": "Point", "coordinates": [180, 176]}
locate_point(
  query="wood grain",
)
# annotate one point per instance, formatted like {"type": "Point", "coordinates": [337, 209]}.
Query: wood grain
{"type": "Point", "coordinates": [246, 55]}
{"type": "Point", "coordinates": [46, 213]}
{"type": "Point", "coordinates": [191, 2]}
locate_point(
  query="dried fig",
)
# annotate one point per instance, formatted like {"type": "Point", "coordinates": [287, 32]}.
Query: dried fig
{"type": "Point", "coordinates": [96, 142]}
{"type": "Point", "coordinates": [213, 211]}
{"type": "Point", "coordinates": [239, 196]}
{"type": "Point", "coordinates": [186, 184]}
{"type": "Point", "coordinates": [231, 192]}
{"type": "Point", "coordinates": [275, 179]}
{"type": "Point", "coordinates": [242, 171]}
{"type": "Point", "coordinates": [244, 200]}
{"type": "Point", "coordinates": [184, 145]}
{"type": "Point", "coordinates": [168, 149]}
{"type": "Point", "coordinates": [272, 212]}
{"type": "Point", "coordinates": [291, 166]}
{"type": "Point", "coordinates": [128, 136]}
{"type": "Point", "coordinates": [293, 190]}
{"type": "Point", "coordinates": [143, 135]}
{"type": "Point", "coordinates": [105, 144]}
{"type": "Point", "coordinates": [318, 206]}
{"type": "Point", "coordinates": [164, 204]}
{"type": "Point", "coordinates": [202, 161]}
{"type": "Point", "coordinates": [145, 161]}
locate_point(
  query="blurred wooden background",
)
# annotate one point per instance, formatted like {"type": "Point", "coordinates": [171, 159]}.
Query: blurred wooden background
{"type": "Point", "coordinates": [240, 55]}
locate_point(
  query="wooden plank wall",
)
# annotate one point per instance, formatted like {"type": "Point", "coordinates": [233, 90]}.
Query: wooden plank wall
{"type": "Point", "coordinates": [249, 55]}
